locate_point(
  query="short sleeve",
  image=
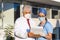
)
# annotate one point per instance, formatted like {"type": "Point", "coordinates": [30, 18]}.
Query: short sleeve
{"type": "Point", "coordinates": [49, 28]}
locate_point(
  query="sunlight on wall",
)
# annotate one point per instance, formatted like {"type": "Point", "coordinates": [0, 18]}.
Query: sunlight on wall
{"type": "Point", "coordinates": [9, 16]}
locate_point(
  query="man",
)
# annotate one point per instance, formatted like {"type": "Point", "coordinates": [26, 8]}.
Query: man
{"type": "Point", "coordinates": [23, 25]}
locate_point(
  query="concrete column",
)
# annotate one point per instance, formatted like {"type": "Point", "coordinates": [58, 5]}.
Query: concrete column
{"type": "Point", "coordinates": [49, 13]}
{"type": "Point", "coordinates": [59, 13]}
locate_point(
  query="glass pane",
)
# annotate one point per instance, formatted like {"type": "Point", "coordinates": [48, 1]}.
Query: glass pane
{"type": "Point", "coordinates": [16, 10]}
{"type": "Point", "coordinates": [55, 14]}
{"type": "Point", "coordinates": [34, 12]}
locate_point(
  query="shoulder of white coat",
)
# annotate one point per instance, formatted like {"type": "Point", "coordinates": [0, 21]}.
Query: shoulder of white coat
{"type": "Point", "coordinates": [18, 19]}
{"type": "Point", "coordinates": [32, 20]}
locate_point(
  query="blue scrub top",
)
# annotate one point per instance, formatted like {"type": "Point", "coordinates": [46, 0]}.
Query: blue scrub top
{"type": "Point", "coordinates": [47, 29]}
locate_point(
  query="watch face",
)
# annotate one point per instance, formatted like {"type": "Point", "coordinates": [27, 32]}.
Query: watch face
{"type": "Point", "coordinates": [28, 30]}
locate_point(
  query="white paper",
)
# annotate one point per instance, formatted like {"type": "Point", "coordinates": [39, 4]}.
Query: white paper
{"type": "Point", "coordinates": [38, 30]}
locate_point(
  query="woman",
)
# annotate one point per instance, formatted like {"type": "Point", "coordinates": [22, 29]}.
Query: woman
{"type": "Point", "coordinates": [47, 27]}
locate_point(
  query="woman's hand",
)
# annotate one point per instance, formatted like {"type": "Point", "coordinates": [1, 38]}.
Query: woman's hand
{"type": "Point", "coordinates": [31, 34]}
{"type": "Point", "coordinates": [49, 36]}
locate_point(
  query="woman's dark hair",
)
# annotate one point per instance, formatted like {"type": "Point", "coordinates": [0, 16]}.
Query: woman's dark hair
{"type": "Point", "coordinates": [46, 19]}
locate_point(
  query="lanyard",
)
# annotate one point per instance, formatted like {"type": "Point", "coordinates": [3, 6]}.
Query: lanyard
{"type": "Point", "coordinates": [45, 27]}
{"type": "Point", "coordinates": [28, 23]}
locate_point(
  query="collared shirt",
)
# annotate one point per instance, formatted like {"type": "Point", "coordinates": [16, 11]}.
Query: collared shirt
{"type": "Point", "coordinates": [21, 27]}
{"type": "Point", "coordinates": [47, 28]}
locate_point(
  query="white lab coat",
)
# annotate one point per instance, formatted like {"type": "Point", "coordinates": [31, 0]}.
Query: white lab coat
{"type": "Point", "coordinates": [21, 26]}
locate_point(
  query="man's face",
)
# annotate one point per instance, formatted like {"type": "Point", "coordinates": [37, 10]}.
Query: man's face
{"type": "Point", "coordinates": [26, 11]}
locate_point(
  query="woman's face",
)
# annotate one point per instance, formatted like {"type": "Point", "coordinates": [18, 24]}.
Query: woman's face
{"type": "Point", "coordinates": [41, 14]}
{"type": "Point", "coordinates": [41, 18]}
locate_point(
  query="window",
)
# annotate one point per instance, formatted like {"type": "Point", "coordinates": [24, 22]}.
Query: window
{"type": "Point", "coordinates": [16, 10]}
{"type": "Point", "coordinates": [55, 14]}
{"type": "Point", "coordinates": [34, 12]}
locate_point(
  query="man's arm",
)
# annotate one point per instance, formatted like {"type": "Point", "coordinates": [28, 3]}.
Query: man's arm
{"type": "Point", "coordinates": [33, 35]}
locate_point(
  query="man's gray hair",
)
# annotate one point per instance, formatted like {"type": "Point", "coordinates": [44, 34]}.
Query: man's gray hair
{"type": "Point", "coordinates": [27, 6]}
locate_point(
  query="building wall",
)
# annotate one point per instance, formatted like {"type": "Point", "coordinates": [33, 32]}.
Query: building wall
{"type": "Point", "coordinates": [49, 13]}
{"type": "Point", "coordinates": [59, 13]}
{"type": "Point", "coordinates": [8, 14]}
{"type": "Point", "coordinates": [8, 18]}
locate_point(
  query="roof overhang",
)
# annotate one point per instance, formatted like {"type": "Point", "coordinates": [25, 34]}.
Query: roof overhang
{"type": "Point", "coordinates": [50, 2]}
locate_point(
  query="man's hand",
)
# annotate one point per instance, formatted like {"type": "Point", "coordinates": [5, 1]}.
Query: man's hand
{"type": "Point", "coordinates": [36, 35]}
{"type": "Point", "coordinates": [31, 34]}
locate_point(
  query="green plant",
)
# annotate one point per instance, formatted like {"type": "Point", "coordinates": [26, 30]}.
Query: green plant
{"type": "Point", "coordinates": [8, 30]}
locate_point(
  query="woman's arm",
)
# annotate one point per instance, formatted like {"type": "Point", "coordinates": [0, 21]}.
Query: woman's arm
{"type": "Point", "coordinates": [49, 36]}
